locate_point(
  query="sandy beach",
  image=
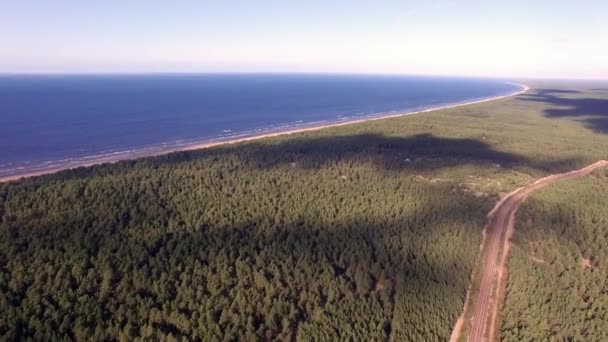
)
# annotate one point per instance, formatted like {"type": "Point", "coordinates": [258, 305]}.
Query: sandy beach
{"type": "Point", "coordinates": [141, 154]}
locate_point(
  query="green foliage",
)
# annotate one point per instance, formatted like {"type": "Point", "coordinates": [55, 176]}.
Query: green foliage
{"type": "Point", "coordinates": [557, 287]}
{"type": "Point", "coordinates": [362, 232]}
{"type": "Point", "coordinates": [238, 243]}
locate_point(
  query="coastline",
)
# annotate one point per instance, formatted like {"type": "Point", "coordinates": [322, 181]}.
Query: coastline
{"type": "Point", "coordinates": [197, 146]}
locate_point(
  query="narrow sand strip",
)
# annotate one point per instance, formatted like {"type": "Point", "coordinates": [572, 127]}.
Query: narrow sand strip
{"type": "Point", "coordinates": [135, 155]}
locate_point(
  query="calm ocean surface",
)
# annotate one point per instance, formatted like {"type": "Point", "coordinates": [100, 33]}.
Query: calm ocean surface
{"type": "Point", "coordinates": [53, 121]}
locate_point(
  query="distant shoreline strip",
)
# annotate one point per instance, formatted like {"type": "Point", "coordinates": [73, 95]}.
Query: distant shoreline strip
{"type": "Point", "coordinates": [152, 152]}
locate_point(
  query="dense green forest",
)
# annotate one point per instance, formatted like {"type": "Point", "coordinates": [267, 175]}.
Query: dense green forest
{"type": "Point", "coordinates": [252, 242]}
{"type": "Point", "coordinates": [558, 278]}
{"type": "Point", "coordinates": [217, 244]}
{"type": "Point", "coordinates": [362, 232]}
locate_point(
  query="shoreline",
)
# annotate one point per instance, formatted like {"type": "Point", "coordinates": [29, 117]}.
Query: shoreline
{"type": "Point", "coordinates": [197, 146]}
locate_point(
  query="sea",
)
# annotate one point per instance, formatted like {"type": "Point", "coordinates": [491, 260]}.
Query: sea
{"type": "Point", "coordinates": [59, 121]}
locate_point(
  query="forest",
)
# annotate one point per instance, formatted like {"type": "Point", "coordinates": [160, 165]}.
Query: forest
{"type": "Point", "coordinates": [227, 245]}
{"type": "Point", "coordinates": [362, 232]}
{"type": "Point", "coordinates": [558, 287]}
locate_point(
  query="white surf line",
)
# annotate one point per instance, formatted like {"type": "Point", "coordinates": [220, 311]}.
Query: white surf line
{"type": "Point", "coordinates": [524, 89]}
{"type": "Point", "coordinates": [136, 155]}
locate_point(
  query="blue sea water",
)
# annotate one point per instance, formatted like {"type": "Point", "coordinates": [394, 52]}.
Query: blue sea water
{"type": "Point", "coordinates": [53, 121]}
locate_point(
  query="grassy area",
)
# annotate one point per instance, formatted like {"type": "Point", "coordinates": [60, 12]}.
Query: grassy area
{"type": "Point", "coordinates": [368, 231]}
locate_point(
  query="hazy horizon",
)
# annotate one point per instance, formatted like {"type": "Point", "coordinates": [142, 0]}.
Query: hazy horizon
{"type": "Point", "coordinates": [202, 73]}
{"type": "Point", "coordinates": [517, 39]}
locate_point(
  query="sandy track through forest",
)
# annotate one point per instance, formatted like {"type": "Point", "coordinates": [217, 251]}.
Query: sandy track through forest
{"type": "Point", "coordinates": [500, 221]}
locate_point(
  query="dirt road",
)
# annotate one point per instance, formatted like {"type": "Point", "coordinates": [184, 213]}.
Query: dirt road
{"type": "Point", "coordinates": [500, 225]}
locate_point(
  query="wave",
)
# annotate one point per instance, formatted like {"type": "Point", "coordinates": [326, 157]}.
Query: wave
{"type": "Point", "coordinates": [225, 135]}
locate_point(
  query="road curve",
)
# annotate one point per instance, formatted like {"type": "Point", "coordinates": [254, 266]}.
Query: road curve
{"type": "Point", "coordinates": [500, 220]}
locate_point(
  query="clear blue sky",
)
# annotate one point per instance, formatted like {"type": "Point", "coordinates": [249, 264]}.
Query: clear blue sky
{"type": "Point", "coordinates": [465, 37]}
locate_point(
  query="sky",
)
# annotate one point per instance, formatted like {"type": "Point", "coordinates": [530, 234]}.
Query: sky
{"type": "Point", "coordinates": [506, 38]}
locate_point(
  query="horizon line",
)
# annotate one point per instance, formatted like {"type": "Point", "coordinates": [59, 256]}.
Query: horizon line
{"type": "Point", "coordinates": [144, 73]}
